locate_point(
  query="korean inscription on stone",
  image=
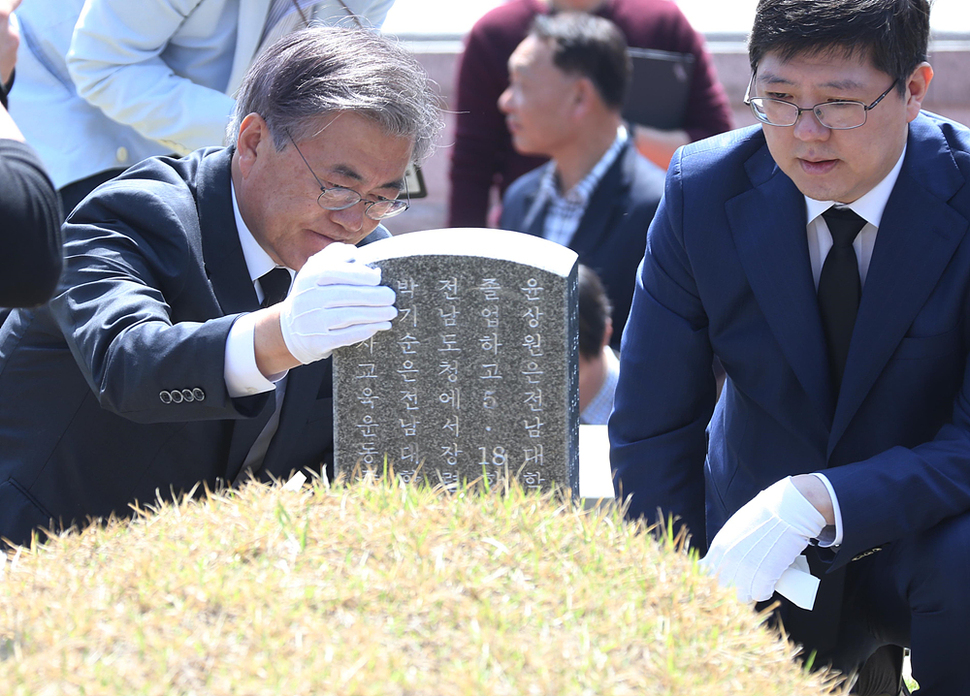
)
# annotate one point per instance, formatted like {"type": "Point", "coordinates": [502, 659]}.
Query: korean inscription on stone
{"type": "Point", "coordinates": [478, 375]}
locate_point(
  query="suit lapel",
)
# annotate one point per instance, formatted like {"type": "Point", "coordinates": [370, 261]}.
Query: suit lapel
{"type": "Point", "coordinates": [534, 206]}
{"type": "Point", "coordinates": [608, 197]}
{"type": "Point", "coordinates": [917, 238]}
{"type": "Point", "coordinates": [252, 19]}
{"type": "Point", "coordinates": [229, 276]}
{"type": "Point", "coordinates": [769, 228]}
{"type": "Point", "coordinates": [224, 260]}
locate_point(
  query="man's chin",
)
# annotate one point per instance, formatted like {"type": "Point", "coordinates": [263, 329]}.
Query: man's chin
{"type": "Point", "coordinates": [820, 188]}
{"type": "Point", "coordinates": [524, 147]}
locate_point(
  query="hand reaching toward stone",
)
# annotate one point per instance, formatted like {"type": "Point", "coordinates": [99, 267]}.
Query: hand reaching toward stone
{"type": "Point", "coordinates": [335, 301]}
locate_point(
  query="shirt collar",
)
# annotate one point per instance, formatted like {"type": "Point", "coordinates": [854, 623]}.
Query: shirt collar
{"type": "Point", "coordinates": [598, 410]}
{"type": "Point", "coordinates": [869, 207]}
{"type": "Point", "coordinates": [580, 193]}
{"type": "Point", "coordinates": [258, 262]}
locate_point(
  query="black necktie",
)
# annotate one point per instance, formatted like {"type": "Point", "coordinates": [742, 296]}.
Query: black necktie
{"type": "Point", "coordinates": [839, 288]}
{"type": "Point", "coordinates": [275, 285]}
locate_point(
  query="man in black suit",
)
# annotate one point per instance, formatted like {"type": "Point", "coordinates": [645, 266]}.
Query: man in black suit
{"type": "Point", "coordinates": [597, 195]}
{"type": "Point", "coordinates": [160, 361]}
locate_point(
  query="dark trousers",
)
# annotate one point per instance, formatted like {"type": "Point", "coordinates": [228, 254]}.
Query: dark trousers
{"type": "Point", "coordinates": [914, 592]}
{"type": "Point", "coordinates": [76, 191]}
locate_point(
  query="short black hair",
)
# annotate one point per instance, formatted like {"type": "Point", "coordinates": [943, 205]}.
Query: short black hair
{"type": "Point", "coordinates": [894, 34]}
{"type": "Point", "coordinates": [594, 312]}
{"type": "Point", "coordinates": [589, 46]}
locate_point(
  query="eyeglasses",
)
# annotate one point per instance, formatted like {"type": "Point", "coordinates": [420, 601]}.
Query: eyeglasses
{"type": "Point", "coordinates": [834, 115]}
{"type": "Point", "coordinates": [340, 198]}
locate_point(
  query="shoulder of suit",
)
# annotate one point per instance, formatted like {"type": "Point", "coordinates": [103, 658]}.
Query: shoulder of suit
{"type": "Point", "coordinates": [644, 178]}
{"type": "Point", "coordinates": [524, 185]}
{"type": "Point", "coordinates": [956, 134]}
{"type": "Point", "coordinates": [174, 170]}
{"type": "Point", "coordinates": [720, 153]}
{"type": "Point", "coordinates": [726, 144]}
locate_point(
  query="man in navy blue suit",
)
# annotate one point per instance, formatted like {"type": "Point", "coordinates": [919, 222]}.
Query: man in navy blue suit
{"type": "Point", "coordinates": [597, 195]}
{"type": "Point", "coordinates": [823, 257]}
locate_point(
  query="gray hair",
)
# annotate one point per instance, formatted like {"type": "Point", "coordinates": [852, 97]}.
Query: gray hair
{"type": "Point", "coordinates": [310, 73]}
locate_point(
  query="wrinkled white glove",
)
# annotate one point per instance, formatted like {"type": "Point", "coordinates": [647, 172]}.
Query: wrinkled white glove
{"type": "Point", "coordinates": [335, 301]}
{"type": "Point", "coordinates": [762, 539]}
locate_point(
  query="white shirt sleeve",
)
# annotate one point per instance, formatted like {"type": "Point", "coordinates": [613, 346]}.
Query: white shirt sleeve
{"type": "Point", "coordinates": [831, 535]}
{"type": "Point", "coordinates": [370, 13]}
{"type": "Point", "coordinates": [116, 66]}
{"type": "Point", "coordinates": [242, 376]}
{"type": "Point", "coordinates": [376, 12]}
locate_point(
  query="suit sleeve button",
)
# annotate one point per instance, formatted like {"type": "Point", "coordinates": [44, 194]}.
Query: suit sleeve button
{"type": "Point", "coordinates": [198, 394]}
{"type": "Point", "coordinates": [176, 396]}
{"type": "Point", "coordinates": [188, 396]}
{"type": "Point", "coordinates": [165, 397]}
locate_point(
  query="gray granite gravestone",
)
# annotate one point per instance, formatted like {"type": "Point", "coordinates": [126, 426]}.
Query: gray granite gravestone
{"type": "Point", "coordinates": [479, 374]}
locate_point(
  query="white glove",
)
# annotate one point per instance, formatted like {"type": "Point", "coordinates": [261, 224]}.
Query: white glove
{"type": "Point", "coordinates": [762, 539]}
{"type": "Point", "coordinates": [335, 302]}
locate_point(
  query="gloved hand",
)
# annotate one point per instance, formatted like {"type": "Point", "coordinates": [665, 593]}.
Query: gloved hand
{"type": "Point", "coordinates": [762, 539]}
{"type": "Point", "coordinates": [335, 301]}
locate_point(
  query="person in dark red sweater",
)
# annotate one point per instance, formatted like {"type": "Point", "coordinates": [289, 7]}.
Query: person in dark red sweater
{"type": "Point", "coordinates": [483, 155]}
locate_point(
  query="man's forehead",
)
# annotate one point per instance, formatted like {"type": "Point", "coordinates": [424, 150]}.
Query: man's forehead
{"type": "Point", "coordinates": [531, 51]}
{"type": "Point", "coordinates": [371, 157]}
{"type": "Point", "coordinates": [838, 67]}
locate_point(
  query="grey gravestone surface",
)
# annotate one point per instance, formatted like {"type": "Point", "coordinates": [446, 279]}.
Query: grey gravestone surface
{"type": "Point", "coordinates": [479, 374]}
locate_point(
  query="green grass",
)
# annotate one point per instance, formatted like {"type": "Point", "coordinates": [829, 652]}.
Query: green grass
{"type": "Point", "coordinates": [377, 588]}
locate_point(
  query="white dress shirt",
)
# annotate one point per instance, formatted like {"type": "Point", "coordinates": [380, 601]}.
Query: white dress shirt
{"type": "Point", "coordinates": [870, 208]}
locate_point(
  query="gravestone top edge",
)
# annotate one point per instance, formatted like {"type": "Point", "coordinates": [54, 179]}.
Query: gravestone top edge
{"type": "Point", "coordinates": [501, 245]}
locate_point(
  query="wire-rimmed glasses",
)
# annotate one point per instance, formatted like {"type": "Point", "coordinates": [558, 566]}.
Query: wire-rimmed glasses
{"type": "Point", "coordinates": [834, 115]}
{"type": "Point", "coordinates": [341, 198]}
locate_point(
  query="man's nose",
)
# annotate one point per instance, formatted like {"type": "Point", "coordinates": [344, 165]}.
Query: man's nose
{"type": "Point", "coordinates": [504, 101]}
{"type": "Point", "coordinates": [808, 127]}
{"type": "Point", "coordinates": [352, 218]}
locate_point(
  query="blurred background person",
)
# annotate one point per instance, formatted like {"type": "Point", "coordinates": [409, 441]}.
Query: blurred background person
{"type": "Point", "coordinates": [599, 367]}
{"type": "Point", "coordinates": [107, 83]}
{"type": "Point", "coordinates": [483, 156]}
{"type": "Point", "coordinates": [30, 229]}
{"type": "Point", "coordinates": [597, 194]}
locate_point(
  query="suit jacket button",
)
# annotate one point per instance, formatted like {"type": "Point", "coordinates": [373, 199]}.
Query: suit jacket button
{"type": "Point", "coordinates": [188, 396]}
{"type": "Point", "coordinates": [165, 397]}
{"type": "Point", "coordinates": [198, 394]}
{"type": "Point", "coordinates": [176, 396]}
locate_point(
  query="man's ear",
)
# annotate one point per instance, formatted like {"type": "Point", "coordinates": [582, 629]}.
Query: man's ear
{"type": "Point", "coordinates": [252, 131]}
{"type": "Point", "coordinates": [585, 97]}
{"type": "Point", "coordinates": [608, 333]}
{"type": "Point", "coordinates": [916, 88]}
